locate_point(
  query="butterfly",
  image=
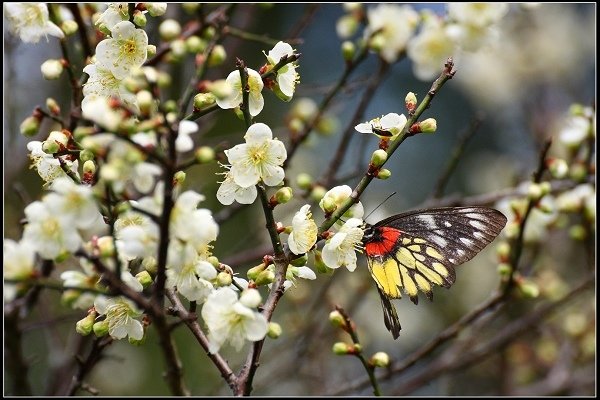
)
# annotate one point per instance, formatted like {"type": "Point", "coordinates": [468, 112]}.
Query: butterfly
{"type": "Point", "coordinates": [416, 250]}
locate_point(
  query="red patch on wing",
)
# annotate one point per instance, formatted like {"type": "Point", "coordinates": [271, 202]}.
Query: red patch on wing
{"type": "Point", "coordinates": [384, 246]}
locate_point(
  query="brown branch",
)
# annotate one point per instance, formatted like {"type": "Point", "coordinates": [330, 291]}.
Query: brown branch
{"type": "Point", "coordinates": [304, 21]}
{"type": "Point", "coordinates": [16, 365]}
{"type": "Point", "coordinates": [82, 31]}
{"type": "Point", "coordinates": [86, 365]}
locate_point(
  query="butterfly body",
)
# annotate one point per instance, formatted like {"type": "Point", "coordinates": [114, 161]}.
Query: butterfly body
{"type": "Point", "coordinates": [414, 251]}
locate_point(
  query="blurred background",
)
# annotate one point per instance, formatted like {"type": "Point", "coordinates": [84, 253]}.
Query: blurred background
{"type": "Point", "coordinates": [520, 89]}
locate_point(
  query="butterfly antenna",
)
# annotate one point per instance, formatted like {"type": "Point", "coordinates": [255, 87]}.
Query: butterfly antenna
{"type": "Point", "coordinates": [380, 204]}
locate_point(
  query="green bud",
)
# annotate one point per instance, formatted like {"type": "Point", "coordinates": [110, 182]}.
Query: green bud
{"type": "Point", "coordinates": [379, 157]}
{"type": "Point", "coordinates": [169, 30]}
{"type": "Point", "coordinates": [341, 348]}
{"type": "Point", "coordinates": [238, 113]}
{"type": "Point", "coordinates": [380, 359]}
{"type": "Point", "coordinates": [274, 330]}
{"type": "Point", "coordinates": [529, 288]}
{"type": "Point", "coordinates": [327, 125]}
{"type": "Point", "coordinates": [577, 232]}
{"type": "Point", "coordinates": [83, 131]}
{"type": "Point", "coordinates": [177, 49]}
{"type": "Point", "coordinates": [30, 126]}
{"type": "Point", "coordinates": [255, 271]}
{"type": "Point", "coordinates": [69, 27]}
{"type": "Point", "coordinates": [100, 328]}
{"type": "Point", "coordinates": [357, 348]}
{"type": "Point", "coordinates": [62, 257]}
{"type": "Point", "coordinates": [575, 324]}
{"type": "Point", "coordinates": [512, 230]}
{"type": "Point", "coordinates": [139, 18]}
{"type": "Point", "coordinates": [214, 261]}
{"type": "Point", "coordinates": [203, 100]}
{"type": "Point", "coordinates": [299, 261]}
{"type": "Point", "coordinates": [195, 44]}
{"type": "Point", "coordinates": [52, 106]}
{"type": "Point", "coordinates": [377, 43]}
{"type": "Point", "coordinates": [205, 154]}
{"type": "Point", "coordinates": [209, 32]}
{"type": "Point", "coordinates": [348, 50]}
{"type": "Point", "coordinates": [428, 126]}
{"type": "Point", "coordinates": [577, 110]}
{"type": "Point", "coordinates": [503, 250]}
{"type": "Point", "coordinates": [145, 101]}
{"type": "Point", "coordinates": [156, 9]}
{"type": "Point", "coordinates": [410, 101]}
{"type": "Point", "coordinates": [144, 278]}
{"type": "Point", "coordinates": [328, 205]}
{"type": "Point", "coordinates": [85, 326]}
{"type": "Point", "coordinates": [190, 8]}
{"type": "Point", "coordinates": [317, 193]}
{"type": "Point", "coordinates": [106, 246]}
{"type": "Point", "coordinates": [504, 269]}
{"type": "Point", "coordinates": [150, 264]}
{"type": "Point", "coordinates": [122, 207]}
{"type": "Point", "coordinates": [69, 297]}
{"type": "Point", "coordinates": [51, 69]}
{"type": "Point", "coordinates": [217, 56]}
{"type": "Point", "coordinates": [304, 181]}
{"type": "Point", "coordinates": [384, 174]}
{"type": "Point", "coordinates": [545, 187]}
{"type": "Point", "coordinates": [265, 277]}
{"type": "Point", "coordinates": [170, 106]}
{"type": "Point", "coordinates": [337, 319]}
{"type": "Point", "coordinates": [224, 279]}
{"type": "Point", "coordinates": [151, 50]}
{"type": "Point", "coordinates": [89, 167]}
{"type": "Point", "coordinates": [558, 168]}
{"type": "Point", "coordinates": [534, 192]}
{"type": "Point", "coordinates": [578, 172]}
{"type": "Point", "coordinates": [50, 147]}
{"type": "Point", "coordinates": [346, 26]}
{"type": "Point", "coordinates": [179, 177]}
{"type": "Point", "coordinates": [283, 195]}
{"type": "Point", "coordinates": [296, 125]}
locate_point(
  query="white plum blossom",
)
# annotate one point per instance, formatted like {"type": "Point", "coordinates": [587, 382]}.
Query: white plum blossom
{"type": "Point", "coordinates": [575, 130]}
{"type": "Point", "coordinates": [297, 272]}
{"type": "Point", "coordinates": [70, 199]}
{"type": "Point", "coordinates": [477, 14]}
{"type": "Point", "coordinates": [255, 99]}
{"type": "Point", "coordinates": [192, 279]}
{"type": "Point", "coordinates": [102, 82]}
{"type": "Point", "coordinates": [304, 231]}
{"type": "Point", "coordinates": [125, 51]}
{"type": "Point", "coordinates": [260, 158]}
{"type": "Point", "coordinates": [46, 165]}
{"type": "Point", "coordinates": [98, 109]}
{"type": "Point", "coordinates": [430, 48]}
{"type": "Point", "coordinates": [184, 142]}
{"type": "Point", "coordinates": [52, 234]}
{"type": "Point", "coordinates": [392, 123]}
{"type": "Point", "coordinates": [340, 249]}
{"type": "Point", "coordinates": [233, 320]}
{"type": "Point", "coordinates": [396, 24]}
{"type": "Point", "coordinates": [287, 77]}
{"type": "Point", "coordinates": [229, 191]}
{"type": "Point", "coordinates": [19, 264]}
{"type": "Point", "coordinates": [192, 224]}
{"type": "Point", "coordinates": [30, 21]}
{"type": "Point", "coordinates": [121, 315]}
{"type": "Point", "coordinates": [137, 235]}
{"type": "Point", "coordinates": [115, 13]}
{"type": "Point", "coordinates": [337, 195]}
{"type": "Point", "coordinates": [83, 280]}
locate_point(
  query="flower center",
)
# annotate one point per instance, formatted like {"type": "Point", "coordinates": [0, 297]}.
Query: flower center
{"type": "Point", "coordinates": [50, 227]}
{"type": "Point", "coordinates": [258, 154]}
{"type": "Point", "coordinates": [129, 47]}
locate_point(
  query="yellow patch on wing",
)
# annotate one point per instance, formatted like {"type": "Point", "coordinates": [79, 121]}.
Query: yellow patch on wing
{"type": "Point", "coordinates": [429, 274]}
{"type": "Point", "coordinates": [387, 276]}
{"type": "Point", "coordinates": [440, 268]}
{"type": "Point", "coordinates": [419, 240]}
{"type": "Point", "coordinates": [433, 253]}
{"type": "Point", "coordinates": [422, 283]}
{"type": "Point", "coordinates": [406, 258]}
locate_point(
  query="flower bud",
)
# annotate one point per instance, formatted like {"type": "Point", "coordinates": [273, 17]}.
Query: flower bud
{"type": "Point", "coordinates": [558, 168]}
{"type": "Point", "coordinates": [545, 187]}
{"type": "Point", "coordinates": [428, 126]}
{"type": "Point", "coordinates": [317, 193]}
{"type": "Point", "coordinates": [534, 192]}
{"type": "Point", "coordinates": [575, 324]}
{"type": "Point", "coordinates": [106, 246]}
{"type": "Point", "coordinates": [217, 56]}
{"type": "Point", "coordinates": [100, 328]}
{"type": "Point", "coordinates": [304, 181]}
{"type": "Point", "coordinates": [221, 89]}
{"type": "Point", "coordinates": [410, 101]}
{"type": "Point", "coordinates": [274, 330]}
{"type": "Point", "coordinates": [151, 50]}
{"type": "Point", "coordinates": [69, 27]}
{"type": "Point", "coordinates": [50, 147]}
{"type": "Point", "coordinates": [139, 18]}
{"type": "Point", "coordinates": [296, 125]}
{"type": "Point", "coordinates": [224, 278]}
{"type": "Point", "coordinates": [504, 270]}
{"type": "Point", "coordinates": [169, 29]}
{"type": "Point", "coordinates": [203, 100]}
{"type": "Point", "coordinates": [346, 26]}
{"type": "Point", "coordinates": [512, 230]}
{"type": "Point", "coordinates": [51, 69]}
{"type": "Point", "coordinates": [348, 50]}
{"type": "Point", "coordinates": [190, 8]}
{"type": "Point", "coordinates": [283, 195]}
{"type": "Point", "coordinates": [85, 326]}
{"type": "Point", "coordinates": [577, 110]}
{"type": "Point", "coordinates": [378, 157]}
{"type": "Point", "coordinates": [255, 271]}
{"type": "Point", "coordinates": [380, 359]}
{"type": "Point", "coordinates": [503, 250]}
{"type": "Point", "coordinates": [337, 319]}
{"type": "Point", "coordinates": [250, 298]}
{"type": "Point", "coordinates": [265, 277]}
{"type": "Point", "coordinates": [341, 348]}
{"type": "Point", "coordinates": [150, 264]}
{"type": "Point", "coordinates": [177, 50]}
{"type": "Point", "coordinates": [30, 126]}
{"type": "Point", "coordinates": [209, 32]}
{"type": "Point", "coordinates": [194, 44]}
{"type": "Point", "coordinates": [156, 9]}
{"type": "Point", "coordinates": [384, 174]}
{"type": "Point", "coordinates": [578, 172]}
{"type": "Point", "coordinates": [52, 106]}
{"type": "Point", "coordinates": [144, 278]}
{"type": "Point", "coordinates": [377, 43]}
{"type": "Point", "coordinates": [69, 297]}
{"type": "Point", "coordinates": [528, 288]}
{"type": "Point", "coordinates": [89, 167]}
{"type": "Point", "coordinates": [328, 205]}
{"type": "Point", "coordinates": [145, 101]}
{"type": "Point", "coordinates": [214, 261]}
{"type": "Point", "coordinates": [205, 154]}
{"type": "Point", "coordinates": [179, 178]}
